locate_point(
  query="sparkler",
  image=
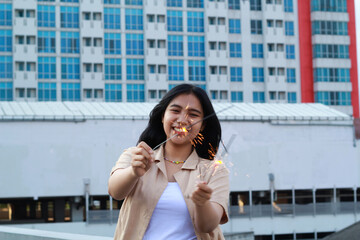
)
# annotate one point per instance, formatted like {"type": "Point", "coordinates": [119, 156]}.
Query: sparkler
{"type": "Point", "coordinates": [186, 129]}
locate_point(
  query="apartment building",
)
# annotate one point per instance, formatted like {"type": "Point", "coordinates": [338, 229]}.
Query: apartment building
{"type": "Point", "coordinates": [274, 51]}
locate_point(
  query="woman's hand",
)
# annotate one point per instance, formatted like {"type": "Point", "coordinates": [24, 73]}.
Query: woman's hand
{"type": "Point", "coordinates": [201, 194]}
{"type": "Point", "coordinates": [141, 158]}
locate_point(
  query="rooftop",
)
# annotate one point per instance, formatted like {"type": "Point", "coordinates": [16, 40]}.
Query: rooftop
{"type": "Point", "coordinates": [82, 111]}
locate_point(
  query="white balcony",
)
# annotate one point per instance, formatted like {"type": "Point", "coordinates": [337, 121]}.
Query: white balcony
{"type": "Point", "coordinates": [333, 86]}
{"type": "Point", "coordinates": [25, 79]}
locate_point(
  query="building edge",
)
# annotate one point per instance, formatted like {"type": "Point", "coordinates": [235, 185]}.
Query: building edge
{"type": "Point", "coordinates": [305, 46]}
{"type": "Point", "coordinates": [353, 58]}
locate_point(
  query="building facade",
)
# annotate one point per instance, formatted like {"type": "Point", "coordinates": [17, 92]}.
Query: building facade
{"type": "Point", "coordinates": [136, 50]}
{"type": "Point", "coordinates": [294, 168]}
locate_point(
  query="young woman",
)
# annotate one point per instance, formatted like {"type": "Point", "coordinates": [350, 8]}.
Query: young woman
{"type": "Point", "coordinates": [174, 192]}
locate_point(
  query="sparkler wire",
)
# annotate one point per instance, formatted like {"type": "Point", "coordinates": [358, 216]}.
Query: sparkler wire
{"type": "Point", "coordinates": [188, 127]}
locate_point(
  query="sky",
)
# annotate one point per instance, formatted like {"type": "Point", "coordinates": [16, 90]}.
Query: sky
{"type": "Point", "coordinates": [357, 18]}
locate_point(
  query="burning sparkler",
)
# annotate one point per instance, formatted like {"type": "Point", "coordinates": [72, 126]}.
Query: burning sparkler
{"type": "Point", "coordinates": [186, 129]}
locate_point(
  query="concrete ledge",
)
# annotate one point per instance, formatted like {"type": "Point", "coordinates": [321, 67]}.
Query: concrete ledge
{"type": "Point", "coordinates": [12, 233]}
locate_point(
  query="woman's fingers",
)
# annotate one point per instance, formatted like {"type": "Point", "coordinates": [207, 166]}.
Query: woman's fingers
{"type": "Point", "coordinates": [146, 150]}
{"type": "Point", "coordinates": [142, 157]}
{"type": "Point", "coordinates": [201, 194]}
{"type": "Point", "coordinates": [138, 164]}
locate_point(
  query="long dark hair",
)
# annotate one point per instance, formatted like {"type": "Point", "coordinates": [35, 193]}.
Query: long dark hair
{"type": "Point", "coordinates": [154, 133]}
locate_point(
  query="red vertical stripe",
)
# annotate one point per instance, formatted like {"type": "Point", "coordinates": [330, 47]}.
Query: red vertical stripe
{"type": "Point", "coordinates": [306, 64]}
{"type": "Point", "coordinates": [353, 58]}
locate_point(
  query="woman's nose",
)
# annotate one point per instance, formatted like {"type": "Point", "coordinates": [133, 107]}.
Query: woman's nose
{"type": "Point", "coordinates": [183, 118]}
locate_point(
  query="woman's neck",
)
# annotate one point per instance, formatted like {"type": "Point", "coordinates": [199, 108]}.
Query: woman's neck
{"type": "Point", "coordinates": [177, 152]}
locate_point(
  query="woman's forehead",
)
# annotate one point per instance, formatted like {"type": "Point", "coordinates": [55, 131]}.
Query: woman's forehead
{"type": "Point", "coordinates": [188, 101]}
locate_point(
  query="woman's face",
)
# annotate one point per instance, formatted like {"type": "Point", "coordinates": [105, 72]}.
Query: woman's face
{"type": "Point", "coordinates": [183, 111]}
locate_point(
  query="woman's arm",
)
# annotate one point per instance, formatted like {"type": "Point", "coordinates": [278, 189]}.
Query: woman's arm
{"type": "Point", "coordinates": [123, 180]}
{"type": "Point", "coordinates": [207, 214]}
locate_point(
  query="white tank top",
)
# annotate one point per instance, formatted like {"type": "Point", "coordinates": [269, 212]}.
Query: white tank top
{"type": "Point", "coordinates": [171, 218]}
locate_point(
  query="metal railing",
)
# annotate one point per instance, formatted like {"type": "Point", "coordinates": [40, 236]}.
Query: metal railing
{"type": "Point", "coordinates": [277, 210]}
{"type": "Point", "coordinates": [295, 209]}
{"type": "Point", "coordinates": [103, 216]}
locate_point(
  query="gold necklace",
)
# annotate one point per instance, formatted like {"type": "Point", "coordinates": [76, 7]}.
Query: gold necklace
{"type": "Point", "coordinates": [176, 162]}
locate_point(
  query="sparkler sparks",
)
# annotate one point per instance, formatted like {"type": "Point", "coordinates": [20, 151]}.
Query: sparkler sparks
{"type": "Point", "coordinates": [187, 129]}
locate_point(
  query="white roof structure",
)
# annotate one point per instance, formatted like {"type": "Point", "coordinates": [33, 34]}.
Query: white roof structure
{"type": "Point", "coordinates": [81, 111]}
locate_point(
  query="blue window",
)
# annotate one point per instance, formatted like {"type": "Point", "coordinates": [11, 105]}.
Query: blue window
{"type": "Point", "coordinates": [5, 40]}
{"type": "Point", "coordinates": [174, 21]}
{"type": "Point", "coordinates": [47, 91]}
{"type": "Point", "coordinates": [46, 42]}
{"type": "Point", "coordinates": [111, 1]}
{"type": "Point", "coordinates": [70, 68]}
{"type": "Point", "coordinates": [112, 43]}
{"type": "Point", "coordinates": [329, 5]}
{"type": "Point", "coordinates": [288, 6]}
{"type": "Point", "coordinates": [195, 3]}
{"type": "Point", "coordinates": [134, 2]}
{"type": "Point", "coordinates": [258, 97]}
{"type": "Point", "coordinates": [69, 17]}
{"type": "Point", "coordinates": [255, 5]}
{"type": "Point", "coordinates": [290, 51]}
{"type": "Point", "coordinates": [174, 3]}
{"type": "Point", "coordinates": [195, 22]}
{"type": "Point", "coordinates": [196, 46]}
{"type": "Point", "coordinates": [5, 14]}
{"type": "Point", "coordinates": [291, 97]}
{"type": "Point", "coordinates": [237, 96]}
{"type": "Point", "coordinates": [112, 69]}
{"type": "Point", "coordinates": [135, 69]}
{"type": "Point", "coordinates": [6, 91]}
{"type": "Point", "coordinates": [70, 42]}
{"type": "Point", "coordinates": [152, 68]}
{"type": "Point", "coordinates": [331, 75]}
{"type": "Point", "coordinates": [234, 26]}
{"type": "Point", "coordinates": [258, 74]}
{"type": "Point", "coordinates": [236, 74]}
{"type": "Point", "coordinates": [112, 18]}
{"type": "Point", "coordinates": [330, 51]}
{"type": "Point", "coordinates": [197, 70]}
{"type": "Point", "coordinates": [70, 91]}
{"type": "Point", "coordinates": [47, 67]}
{"type": "Point", "coordinates": [70, 1]}
{"type": "Point", "coordinates": [46, 0]}
{"type": "Point", "coordinates": [256, 26]}
{"type": "Point", "coordinates": [289, 28]}
{"type": "Point", "coordinates": [330, 28]}
{"type": "Point", "coordinates": [235, 50]}
{"type": "Point", "coordinates": [234, 4]}
{"type": "Point", "coordinates": [175, 45]}
{"type": "Point", "coordinates": [134, 44]}
{"type": "Point", "coordinates": [135, 92]}
{"type": "Point", "coordinates": [333, 98]}
{"type": "Point", "coordinates": [46, 16]}
{"type": "Point", "coordinates": [113, 93]}
{"type": "Point", "coordinates": [176, 70]}
{"type": "Point", "coordinates": [134, 19]}
{"type": "Point", "coordinates": [6, 67]}
{"type": "Point", "coordinates": [290, 75]}
{"type": "Point", "coordinates": [257, 50]}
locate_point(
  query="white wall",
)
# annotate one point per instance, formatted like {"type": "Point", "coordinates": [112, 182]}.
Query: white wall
{"type": "Point", "coordinates": [298, 156]}
{"type": "Point", "coordinates": [52, 158]}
